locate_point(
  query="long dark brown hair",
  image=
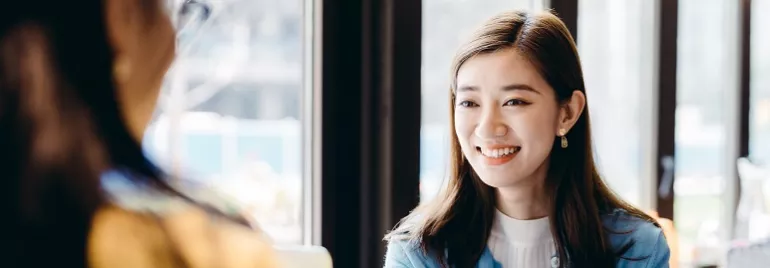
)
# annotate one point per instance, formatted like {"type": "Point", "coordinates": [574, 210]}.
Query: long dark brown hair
{"type": "Point", "coordinates": [61, 128]}
{"type": "Point", "coordinates": [455, 226]}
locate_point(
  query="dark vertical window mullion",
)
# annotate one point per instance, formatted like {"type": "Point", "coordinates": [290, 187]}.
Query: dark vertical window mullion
{"type": "Point", "coordinates": [341, 124]}
{"type": "Point", "coordinates": [743, 146]}
{"type": "Point", "coordinates": [666, 99]}
{"type": "Point", "coordinates": [745, 93]}
{"type": "Point", "coordinates": [371, 130]}
{"type": "Point", "coordinates": [567, 10]}
{"type": "Point", "coordinates": [370, 124]}
{"type": "Point", "coordinates": [403, 108]}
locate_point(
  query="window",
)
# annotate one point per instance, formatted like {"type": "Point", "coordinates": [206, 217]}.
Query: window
{"type": "Point", "coordinates": [707, 78]}
{"type": "Point", "coordinates": [230, 113]}
{"type": "Point", "coordinates": [759, 109]}
{"type": "Point", "coordinates": [759, 140]}
{"type": "Point", "coordinates": [616, 49]}
{"type": "Point", "coordinates": [446, 24]}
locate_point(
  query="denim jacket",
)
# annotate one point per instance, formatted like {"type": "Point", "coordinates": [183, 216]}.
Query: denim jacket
{"type": "Point", "coordinates": [649, 249]}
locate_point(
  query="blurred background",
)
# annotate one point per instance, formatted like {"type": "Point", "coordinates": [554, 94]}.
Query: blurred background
{"type": "Point", "coordinates": [678, 91]}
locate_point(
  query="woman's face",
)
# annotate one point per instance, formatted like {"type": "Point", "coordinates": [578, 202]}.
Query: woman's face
{"type": "Point", "coordinates": [506, 118]}
{"type": "Point", "coordinates": [143, 41]}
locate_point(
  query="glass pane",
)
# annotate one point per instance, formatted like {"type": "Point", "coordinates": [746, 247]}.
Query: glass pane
{"type": "Point", "coordinates": [446, 23]}
{"type": "Point", "coordinates": [759, 122]}
{"type": "Point", "coordinates": [760, 83]}
{"type": "Point", "coordinates": [705, 63]}
{"type": "Point", "coordinates": [614, 49]}
{"type": "Point", "coordinates": [230, 113]}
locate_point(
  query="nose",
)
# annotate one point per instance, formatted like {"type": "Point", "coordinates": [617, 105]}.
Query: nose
{"type": "Point", "coordinates": [491, 125]}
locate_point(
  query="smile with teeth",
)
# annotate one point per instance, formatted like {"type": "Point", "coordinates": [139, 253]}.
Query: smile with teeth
{"type": "Point", "coordinates": [498, 152]}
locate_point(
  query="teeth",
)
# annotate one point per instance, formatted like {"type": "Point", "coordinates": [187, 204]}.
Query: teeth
{"type": "Point", "coordinates": [497, 153]}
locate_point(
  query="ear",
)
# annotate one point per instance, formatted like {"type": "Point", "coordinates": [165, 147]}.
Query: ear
{"type": "Point", "coordinates": [570, 111]}
{"type": "Point", "coordinates": [122, 20]}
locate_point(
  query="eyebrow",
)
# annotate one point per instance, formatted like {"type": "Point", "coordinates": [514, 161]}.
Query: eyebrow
{"type": "Point", "coordinates": [510, 87]}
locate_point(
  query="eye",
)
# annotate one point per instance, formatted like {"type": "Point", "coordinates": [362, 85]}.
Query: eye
{"type": "Point", "coordinates": [466, 104]}
{"type": "Point", "coordinates": [515, 102]}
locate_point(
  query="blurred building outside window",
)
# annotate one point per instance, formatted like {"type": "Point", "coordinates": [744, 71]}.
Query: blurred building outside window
{"type": "Point", "coordinates": [229, 117]}
{"type": "Point", "coordinates": [759, 119]}
{"type": "Point", "coordinates": [707, 79]}
{"type": "Point", "coordinates": [759, 141]}
{"type": "Point", "coordinates": [617, 53]}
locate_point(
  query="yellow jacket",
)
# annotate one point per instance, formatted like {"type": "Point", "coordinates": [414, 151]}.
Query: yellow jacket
{"type": "Point", "coordinates": [189, 238]}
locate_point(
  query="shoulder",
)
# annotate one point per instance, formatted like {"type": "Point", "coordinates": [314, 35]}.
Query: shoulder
{"type": "Point", "coordinates": [113, 230]}
{"type": "Point", "coordinates": [642, 238]}
{"type": "Point", "coordinates": [404, 248]}
{"type": "Point", "coordinates": [195, 236]}
{"type": "Point", "coordinates": [207, 239]}
{"type": "Point", "coordinates": [403, 253]}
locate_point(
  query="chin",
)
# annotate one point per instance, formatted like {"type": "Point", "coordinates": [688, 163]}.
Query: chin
{"type": "Point", "coordinates": [500, 180]}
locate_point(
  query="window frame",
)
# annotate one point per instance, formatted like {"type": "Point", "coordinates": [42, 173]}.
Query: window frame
{"type": "Point", "coordinates": [369, 175]}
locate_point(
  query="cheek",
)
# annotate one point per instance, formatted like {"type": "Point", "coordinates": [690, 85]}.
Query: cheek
{"type": "Point", "coordinates": [165, 43]}
{"type": "Point", "coordinates": [158, 47]}
{"type": "Point", "coordinates": [464, 123]}
{"type": "Point", "coordinates": [535, 128]}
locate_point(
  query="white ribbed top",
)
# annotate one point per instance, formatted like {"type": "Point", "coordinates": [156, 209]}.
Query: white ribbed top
{"type": "Point", "coordinates": [521, 243]}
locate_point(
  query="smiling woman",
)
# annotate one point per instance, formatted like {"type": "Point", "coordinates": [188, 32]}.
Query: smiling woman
{"type": "Point", "coordinates": [523, 189]}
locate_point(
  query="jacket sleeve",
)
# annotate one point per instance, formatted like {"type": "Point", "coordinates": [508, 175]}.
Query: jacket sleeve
{"type": "Point", "coordinates": [660, 253]}
{"type": "Point", "coordinates": [396, 256]}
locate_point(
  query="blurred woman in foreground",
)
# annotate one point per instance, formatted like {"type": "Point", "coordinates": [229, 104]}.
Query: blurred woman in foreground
{"type": "Point", "coordinates": [78, 84]}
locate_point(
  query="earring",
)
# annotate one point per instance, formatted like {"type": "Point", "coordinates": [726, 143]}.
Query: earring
{"type": "Point", "coordinates": [563, 134]}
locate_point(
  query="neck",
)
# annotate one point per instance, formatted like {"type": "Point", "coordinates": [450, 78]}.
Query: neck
{"type": "Point", "coordinates": [524, 201]}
